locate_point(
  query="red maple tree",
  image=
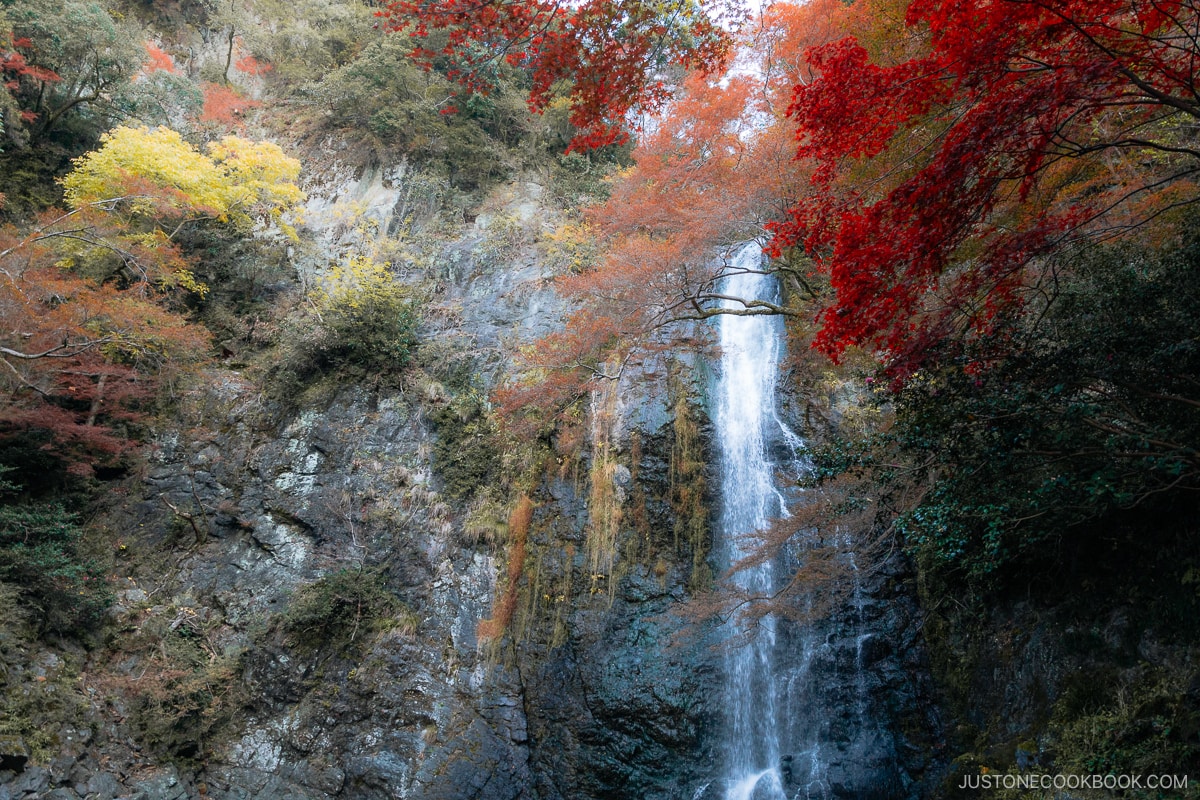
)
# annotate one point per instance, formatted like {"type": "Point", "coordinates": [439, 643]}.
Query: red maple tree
{"type": "Point", "coordinates": [250, 65]}
{"type": "Point", "coordinates": [941, 177]}
{"type": "Point", "coordinates": [225, 108]}
{"type": "Point", "coordinates": [158, 59]}
{"type": "Point", "coordinates": [613, 54]}
{"type": "Point", "coordinates": [80, 355]}
{"type": "Point", "coordinates": [14, 68]}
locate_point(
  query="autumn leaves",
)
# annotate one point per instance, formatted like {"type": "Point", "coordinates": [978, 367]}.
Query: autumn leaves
{"type": "Point", "coordinates": [925, 154]}
{"type": "Point", "coordinates": [91, 299]}
{"type": "Point", "coordinates": [608, 57]}
{"type": "Point", "coordinates": [1015, 129]}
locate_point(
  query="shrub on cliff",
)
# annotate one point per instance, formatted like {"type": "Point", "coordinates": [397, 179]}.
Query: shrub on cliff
{"type": "Point", "coordinates": [369, 317]}
{"type": "Point", "coordinates": [344, 607]}
{"type": "Point", "coordinates": [358, 321]}
{"type": "Point", "coordinates": [41, 557]}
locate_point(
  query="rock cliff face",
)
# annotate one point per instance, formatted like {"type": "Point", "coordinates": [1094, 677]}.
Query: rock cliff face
{"type": "Point", "coordinates": [251, 514]}
{"type": "Point", "coordinates": [861, 701]}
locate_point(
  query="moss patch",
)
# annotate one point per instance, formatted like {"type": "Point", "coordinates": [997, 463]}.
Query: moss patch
{"type": "Point", "coordinates": [344, 609]}
{"type": "Point", "coordinates": [467, 453]}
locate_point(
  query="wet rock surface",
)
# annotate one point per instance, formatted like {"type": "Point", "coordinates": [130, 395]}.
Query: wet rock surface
{"type": "Point", "coordinates": [600, 689]}
{"type": "Point", "coordinates": [863, 673]}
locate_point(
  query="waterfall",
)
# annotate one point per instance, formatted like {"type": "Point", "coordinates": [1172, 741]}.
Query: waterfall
{"type": "Point", "coordinates": [747, 426]}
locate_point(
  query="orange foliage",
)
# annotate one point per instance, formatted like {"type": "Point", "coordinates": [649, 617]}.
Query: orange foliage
{"type": "Point", "coordinates": [715, 170]}
{"type": "Point", "coordinates": [786, 33]}
{"type": "Point", "coordinates": [506, 603]}
{"type": "Point", "coordinates": [159, 60]}
{"type": "Point", "coordinates": [90, 298]}
{"type": "Point", "coordinates": [252, 66]}
{"type": "Point", "coordinates": [81, 343]}
{"type": "Point", "coordinates": [225, 106]}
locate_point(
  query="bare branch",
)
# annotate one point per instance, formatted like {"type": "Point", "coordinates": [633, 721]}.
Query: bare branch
{"type": "Point", "coordinates": [64, 350]}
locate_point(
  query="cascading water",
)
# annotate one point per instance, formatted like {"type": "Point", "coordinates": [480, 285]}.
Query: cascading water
{"type": "Point", "coordinates": [803, 692]}
{"type": "Point", "coordinates": [746, 423]}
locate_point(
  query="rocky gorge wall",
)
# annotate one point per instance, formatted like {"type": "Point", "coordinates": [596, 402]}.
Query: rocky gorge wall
{"type": "Point", "coordinates": [301, 585]}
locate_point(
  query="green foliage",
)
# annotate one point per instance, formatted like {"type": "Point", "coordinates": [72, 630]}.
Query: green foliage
{"type": "Point", "coordinates": [467, 452]}
{"type": "Point", "coordinates": [360, 323]}
{"type": "Point", "coordinates": [1134, 722]}
{"type": "Point", "coordinates": [185, 691]}
{"type": "Point", "coordinates": [36, 701]}
{"type": "Point", "coordinates": [577, 179]}
{"type": "Point", "coordinates": [1145, 725]}
{"type": "Point", "coordinates": [163, 99]}
{"type": "Point", "coordinates": [369, 318]}
{"type": "Point", "coordinates": [93, 54]}
{"type": "Point", "coordinates": [241, 273]}
{"type": "Point", "coordinates": [29, 184]}
{"type": "Point", "coordinates": [487, 519]}
{"type": "Point", "coordinates": [503, 240]}
{"type": "Point", "coordinates": [396, 107]}
{"type": "Point", "coordinates": [1072, 412]}
{"type": "Point", "coordinates": [189, 706]}
{"type": "Point", "coordinates": [471, 140]}
{"type": "Point", "coordinates": [343, 608]}
{"type": "Point", "coordinates": [40, 555]}
{"type": "Point", "coordinates": [380, 92]}
{"type": "Point", "coordinates": [307, 39]}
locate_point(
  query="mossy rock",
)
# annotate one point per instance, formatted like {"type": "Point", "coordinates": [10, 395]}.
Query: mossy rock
{"type": "Point", "coordinates": [466, 454]}
{"type": "Point", "coordinates": [344, 609]}
{"type": "Point", "coordinates": [13, 753]}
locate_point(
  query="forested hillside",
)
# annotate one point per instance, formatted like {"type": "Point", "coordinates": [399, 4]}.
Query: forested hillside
{"type": "Point", "coordinates": [359, 433]}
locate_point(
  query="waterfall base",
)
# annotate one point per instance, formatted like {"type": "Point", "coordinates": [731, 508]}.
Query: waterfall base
{"type": "Point", "coordinates": [765, 785]}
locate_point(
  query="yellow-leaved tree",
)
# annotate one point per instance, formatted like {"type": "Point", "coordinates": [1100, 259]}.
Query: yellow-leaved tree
{"type": "Point", "coordinates": [158, 173]}
{"type": "Point", "coordinates": [88, 319]}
